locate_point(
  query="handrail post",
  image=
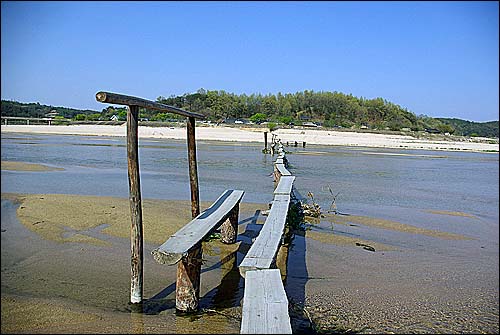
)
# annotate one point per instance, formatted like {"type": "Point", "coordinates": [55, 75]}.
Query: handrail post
{"type": "Point", "coordinates": [187, 290]}
{"type": "Point", "coordinates": [136, 230]}
{"type": "Point", "coordinates": [265, 142]}
{"type": "Point", "coordinates": [193, 169]}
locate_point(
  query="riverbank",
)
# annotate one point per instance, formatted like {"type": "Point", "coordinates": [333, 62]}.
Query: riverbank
{"type": "Point", "coordinates": [248, 134]}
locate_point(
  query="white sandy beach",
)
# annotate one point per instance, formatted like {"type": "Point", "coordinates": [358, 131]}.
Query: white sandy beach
{"type": "Point", "coordinates": [310, 136]}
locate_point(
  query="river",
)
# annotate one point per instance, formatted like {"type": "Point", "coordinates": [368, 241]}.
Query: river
{"type": "Point", "coordinates": [453, 192]}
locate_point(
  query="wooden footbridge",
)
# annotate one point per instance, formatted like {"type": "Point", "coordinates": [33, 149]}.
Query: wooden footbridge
{"type": "Point", "coordinates": [265, 304]}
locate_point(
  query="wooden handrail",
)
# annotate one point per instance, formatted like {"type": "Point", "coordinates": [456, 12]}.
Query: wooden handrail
{"type": "Point", "coordinates": [120, 99]}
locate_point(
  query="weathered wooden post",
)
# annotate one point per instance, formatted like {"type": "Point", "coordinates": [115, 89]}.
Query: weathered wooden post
{"type": "Point", "coordinates": [136, 239]}
{"type": "Point", "coordinates": [189, 268]}
{"type": "Point", "coordinates": [187, 291]}
{"type": "Point", "coordinates": [265, 142]}
{"type": "Point", "coordinates": [229, 229]}
{"type": "Point", "coordinates": [193, 168]}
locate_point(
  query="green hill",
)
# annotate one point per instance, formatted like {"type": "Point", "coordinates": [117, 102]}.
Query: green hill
{"type": "Point", "coordinates": [36, 110]}
{"type": "Point", "coordinates": [328, 109]}
{"type": "Point", "coordinates": [470, 128]}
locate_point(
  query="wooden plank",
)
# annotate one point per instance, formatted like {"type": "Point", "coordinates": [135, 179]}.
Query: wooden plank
{"type": "Point", "coordinates": [282, 169]}
{"type": "Point", "coordinates": [262, 253]}
{"type": "Point", "coordinates": [265, 305]}
{"type": "Point", "coordinates": [178, 245]}
{"type": "Point", "coordinates": [120, 99]}
{"type": "Point", "coordinates": [285, 185]}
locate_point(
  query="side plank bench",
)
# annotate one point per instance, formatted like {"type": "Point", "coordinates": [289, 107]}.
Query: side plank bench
{"type": "Point", "coordinates": [185, 245]}
{"type": "Point", "coordinates": [265, 305]}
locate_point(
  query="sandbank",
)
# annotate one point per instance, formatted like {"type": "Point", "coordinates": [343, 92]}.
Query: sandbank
{"type": "Point", "coordinates": [247, 134]}
{"type": "Point", "coordinates": [67, 218]}
{"type": "Point", "coordinates": [21, 166]}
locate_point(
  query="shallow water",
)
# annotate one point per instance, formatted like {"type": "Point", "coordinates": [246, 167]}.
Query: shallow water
{"type": "Point", "coordinates": [423, 274]}
{"type": "Point", "coordinates": [98, 166]}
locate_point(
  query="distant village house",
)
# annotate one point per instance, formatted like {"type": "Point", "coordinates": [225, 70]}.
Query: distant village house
{"type": "Point", "coordinates": [53, 113]}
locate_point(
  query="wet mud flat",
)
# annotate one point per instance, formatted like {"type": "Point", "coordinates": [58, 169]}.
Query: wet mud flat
{"type": "Point", "coordinates": [372, 276]}
{"type": "Point", "coordinates": [66, 269]}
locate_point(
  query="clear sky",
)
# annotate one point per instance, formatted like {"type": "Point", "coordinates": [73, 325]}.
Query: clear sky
{"type": "Point", "coordinates": [435, 58]}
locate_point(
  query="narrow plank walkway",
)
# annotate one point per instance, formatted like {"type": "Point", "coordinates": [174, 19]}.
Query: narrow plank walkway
{"type": "Point", "coordinates": [284, 186]}
{"type": "Point", "coordinates": [282, 170]}
{"type": "Point", "coordinates": [262, 253]}
{"type": "Point", "coordinates": [265, 305]}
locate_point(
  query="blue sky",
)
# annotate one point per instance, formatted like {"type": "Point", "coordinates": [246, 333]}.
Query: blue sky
{"type": "Point", "coordinates": [435, 58]}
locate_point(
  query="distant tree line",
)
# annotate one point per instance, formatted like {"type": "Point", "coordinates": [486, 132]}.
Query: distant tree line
{"type": "Point", "coordinates": [329, 109]}
{"type": "Point", "coordinates": [469, 128]}
{"type": "Point", "coordinates": [36, 110]}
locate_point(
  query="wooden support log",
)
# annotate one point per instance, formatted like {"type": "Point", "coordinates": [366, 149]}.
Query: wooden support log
{"type": "Point", "coordinates": [136, 238]}
{"type": "Point", "coordinates": [229, 229]}
{"type": "Point", "coordinates": [187, 291]}
{"type": "Point", "coordinates": [120, 99]}
{"type": "Point", "coordinates": [276, 175]}
{"type": "Point", "coordinates": [265, 141]}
